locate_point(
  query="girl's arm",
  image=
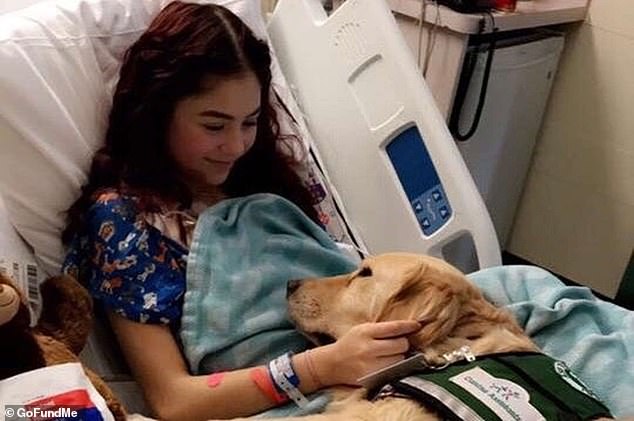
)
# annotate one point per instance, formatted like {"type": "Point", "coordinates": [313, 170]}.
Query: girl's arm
{"type": "Point", "coordinates": [174, 394]}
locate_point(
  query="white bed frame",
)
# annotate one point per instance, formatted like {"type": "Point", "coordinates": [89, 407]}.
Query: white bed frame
{"type": "Point", "coordinates": [391, 162]}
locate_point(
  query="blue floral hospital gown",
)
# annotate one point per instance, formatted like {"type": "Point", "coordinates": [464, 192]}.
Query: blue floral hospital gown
{"type": "Point", "coordinates": [128, 265]}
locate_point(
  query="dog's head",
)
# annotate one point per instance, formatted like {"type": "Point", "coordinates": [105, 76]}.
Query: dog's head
{"type": "Point", "coordinates": [397, 286]}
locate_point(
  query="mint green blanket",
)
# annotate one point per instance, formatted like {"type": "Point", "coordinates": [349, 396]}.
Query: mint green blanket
{"type": "Point", "coordinates": [245, 250]}
{"type": "Point", "coordinates": [243, 253]}
{"type": "Point", "coordinates": [595, 338]}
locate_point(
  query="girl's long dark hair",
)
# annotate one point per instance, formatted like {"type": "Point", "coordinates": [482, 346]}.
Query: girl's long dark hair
{"type": "Point", "coordinates": [183, 45]}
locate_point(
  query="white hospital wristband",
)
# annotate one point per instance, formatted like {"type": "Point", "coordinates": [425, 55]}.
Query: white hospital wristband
{"type": "Point", "coordinates": [280, 368]}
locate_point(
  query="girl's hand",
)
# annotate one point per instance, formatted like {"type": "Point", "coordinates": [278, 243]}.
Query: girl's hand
{"type": "Point", "coordinates": [363, 349]}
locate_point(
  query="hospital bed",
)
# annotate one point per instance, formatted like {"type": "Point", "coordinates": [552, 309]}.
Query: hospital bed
{"type": "Point", "coordinates": [390, 174]}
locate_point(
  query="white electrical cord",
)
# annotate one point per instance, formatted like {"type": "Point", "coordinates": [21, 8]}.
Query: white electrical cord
{"type": "Point", "coordinates": [431, 38]}
{"type": "Point", "coordinates": [421, 19]}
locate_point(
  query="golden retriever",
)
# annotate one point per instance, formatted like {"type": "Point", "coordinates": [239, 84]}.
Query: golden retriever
{"type": "Point", "coordinates": [397, 286]}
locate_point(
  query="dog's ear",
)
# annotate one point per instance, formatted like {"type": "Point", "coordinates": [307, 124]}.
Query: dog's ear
{"type": "Point", "coordinates": [428, 298]}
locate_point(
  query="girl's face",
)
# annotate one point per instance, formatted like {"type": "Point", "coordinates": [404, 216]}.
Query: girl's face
{"type": "Point", "coordinates": [211, 130]}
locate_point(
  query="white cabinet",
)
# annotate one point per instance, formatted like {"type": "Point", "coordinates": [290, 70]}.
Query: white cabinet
{"type": "Point", "coordinates": [448, 33]}
{"type": "Point", "coordinates": [499, 153]}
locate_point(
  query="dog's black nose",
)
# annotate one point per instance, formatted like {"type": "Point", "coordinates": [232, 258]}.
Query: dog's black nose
{"type": "Point", "coordinates": [291, 286]}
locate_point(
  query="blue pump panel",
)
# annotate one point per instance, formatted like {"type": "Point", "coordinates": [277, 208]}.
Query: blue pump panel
{"type": "Point", "coordinates": [419, 179]}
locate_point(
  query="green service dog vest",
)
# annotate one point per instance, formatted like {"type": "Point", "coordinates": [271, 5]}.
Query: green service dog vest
{"type": "Point", "coordinates": [510, 386]}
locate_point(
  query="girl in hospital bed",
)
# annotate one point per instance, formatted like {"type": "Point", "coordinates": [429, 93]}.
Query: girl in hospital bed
{"type": "Point", "coordinates": [192, 123]}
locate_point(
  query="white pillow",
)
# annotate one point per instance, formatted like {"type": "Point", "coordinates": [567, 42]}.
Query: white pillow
{"type": "Point", "coordinates": [59, 63]}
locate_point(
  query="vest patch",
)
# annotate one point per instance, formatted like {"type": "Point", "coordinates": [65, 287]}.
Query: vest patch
{"type": "Point", "coordinates": [514, 386]}
{"type": "Point", "coordinates": [506, 399]}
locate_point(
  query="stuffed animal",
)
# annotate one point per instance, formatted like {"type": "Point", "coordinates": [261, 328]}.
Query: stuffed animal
{"type": "Point", "coordinates": [59, 336]}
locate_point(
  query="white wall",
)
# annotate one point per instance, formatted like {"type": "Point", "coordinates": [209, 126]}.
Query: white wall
{"type": "Point", "coordinates": [577, 212]}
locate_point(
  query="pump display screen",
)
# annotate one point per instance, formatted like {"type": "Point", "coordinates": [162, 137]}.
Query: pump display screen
{"type": "Point", "coordinates": [419, 179]}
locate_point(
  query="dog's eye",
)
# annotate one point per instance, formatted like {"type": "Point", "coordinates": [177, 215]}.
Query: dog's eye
{"type": "Point", "coordinates": [365, 271]}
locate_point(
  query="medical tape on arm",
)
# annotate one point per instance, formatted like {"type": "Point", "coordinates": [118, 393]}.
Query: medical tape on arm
{"type": "Point", "coordinates": [263, 380]}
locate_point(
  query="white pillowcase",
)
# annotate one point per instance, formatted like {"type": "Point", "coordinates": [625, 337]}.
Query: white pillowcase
{"type": "Point", "coordinates": [59, 63]}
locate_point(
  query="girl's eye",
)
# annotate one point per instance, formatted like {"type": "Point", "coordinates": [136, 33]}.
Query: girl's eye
{"type": "Point", "coordinates": [213, 127]}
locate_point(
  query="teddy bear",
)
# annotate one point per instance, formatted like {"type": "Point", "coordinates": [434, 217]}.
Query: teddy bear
{"type": "Point", "coordinates": [58, 337]}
